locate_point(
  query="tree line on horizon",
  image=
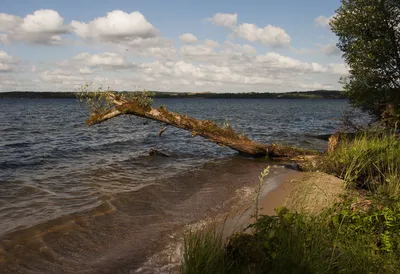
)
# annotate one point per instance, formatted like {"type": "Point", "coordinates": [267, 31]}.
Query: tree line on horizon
{"type": "Point", "coordinates": [316, 94]}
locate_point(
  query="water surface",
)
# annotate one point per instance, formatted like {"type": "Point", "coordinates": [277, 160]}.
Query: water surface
{"type": "Point", "coordinates": [99, 186]}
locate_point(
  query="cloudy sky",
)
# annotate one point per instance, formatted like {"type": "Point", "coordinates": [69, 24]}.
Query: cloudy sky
{"type": "Point", "coordinates": [174, 45]}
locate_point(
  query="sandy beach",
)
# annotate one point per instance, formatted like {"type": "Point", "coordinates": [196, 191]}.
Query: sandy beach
{"type": "Point", "coordinates": [308, 192]}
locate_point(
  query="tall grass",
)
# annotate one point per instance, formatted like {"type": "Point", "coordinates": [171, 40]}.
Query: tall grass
{"type": "Point", "coordinates": [338, 240]}
{"type": "Point", "coordinates": [204, 252]}
{"type": "Point", "coordinates": [370, 160]}
{"type": "Point", "coordinates": [261, 182]}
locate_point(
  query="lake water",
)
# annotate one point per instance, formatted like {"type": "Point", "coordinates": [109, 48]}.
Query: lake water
{"type": "Point", "coordinates": [77, 199]}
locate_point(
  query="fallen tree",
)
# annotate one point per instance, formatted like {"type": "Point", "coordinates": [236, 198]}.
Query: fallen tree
{"type": "Point", "coordinates": [107, 105]}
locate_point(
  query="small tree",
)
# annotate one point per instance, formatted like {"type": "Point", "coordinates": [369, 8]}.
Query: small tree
{"type": "Point", "coordinates": [369, 36]}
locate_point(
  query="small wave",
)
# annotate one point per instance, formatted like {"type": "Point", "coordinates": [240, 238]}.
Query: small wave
{"type": "Point", "coordinates": [16, 164]}
{"type": "Point", "coordinates": [18, 145]}
{"type": "Point", "coordinates": [28, 189]}
{"type": "Point", "coordinates": [62, 223]}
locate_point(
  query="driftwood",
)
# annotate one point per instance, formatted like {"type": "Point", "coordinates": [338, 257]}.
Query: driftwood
{"type": "Point", "coordinates": [222, 135]}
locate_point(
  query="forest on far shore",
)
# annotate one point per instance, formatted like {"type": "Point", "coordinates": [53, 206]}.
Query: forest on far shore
{"type": "Point", "coordinates": [316, 94]}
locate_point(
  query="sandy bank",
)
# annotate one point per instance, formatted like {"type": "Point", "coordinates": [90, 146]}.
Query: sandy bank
{"type": "Point", "coordinates": [308, 192]}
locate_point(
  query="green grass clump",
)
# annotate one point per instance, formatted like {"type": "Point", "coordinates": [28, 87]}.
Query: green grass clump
{"type": "Point", "coordinates": [370, 161]}
{"type": "Point", "coordinates": [204, 252]}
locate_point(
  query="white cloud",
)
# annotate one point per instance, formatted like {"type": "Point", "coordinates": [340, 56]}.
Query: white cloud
{"type": "Point", "coordinates": [205, 49]}
{"type": "Point", "coordinates": [156, 47]}
{"type": "Point", "coordinates": [86, 63]}
{"type": "Point", "coordinates": [274, 60]}
{"type": "Point", "coordinates": [188, 38]}
{"type": "Point", "coordinates": [211, 43]}
{"type": "Point", "coordinates": [330, 50]}
{"type": "Point", "coordinates": [224, 19]}
{"type": "Point", "coordinates": [71, 79]}
{"type": "Point", "coordinates": [204, 74]}
{"type": "Point", "coordinates": [116, 26]}
{"type": "Point", "coordinates": [4, 38]}
{"type": "Point", "coordinates": [322, 21]}
{"type": "Point", "coordinates": [232, 48]}
{"type": "Point", "coordinates": [339, 69]}
{"type": "Point", "coordinates": [4, 57]}
{"type": "Point", "coordinates": [326, 49]}
{"type": "Point", "coordinates": [127, 32]}
{"type": "Point", "coordinates": [85, 70]}
{"type": "Point", "coordinates": [61, 76]}
{"type": "Point", "coordinates": [198, 50]}
{"type": "Point", "coordinates": [48, 21]}
{"type": "Point", "coordinates": [314, 86]}
{"type": "Point", "coordinates": [8, 21]}
{"type": "Point", "coordinates": [5, 67]}
{"type": "Point", "coordinates": [7, 82]}
{"type": "Point", "coordinates": [104, 59]}
{"type": "Point", "coordinates": [7, 62]}
{"type": "Point", "coordinates": [41, 27]}
{"type": "Point", "coordinates": [304, 51]}
{"type": "Point", "coordinates": [214, 53]}
{"type": "Point", "coordinates": [268, 36]}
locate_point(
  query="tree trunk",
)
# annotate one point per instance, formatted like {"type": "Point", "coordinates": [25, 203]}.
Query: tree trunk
{"type": "Point", "coordinates": [224, 136]}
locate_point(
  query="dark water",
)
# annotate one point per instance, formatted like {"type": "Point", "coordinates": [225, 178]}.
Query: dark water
{"type": "Point", "coordinates": [91, 200]}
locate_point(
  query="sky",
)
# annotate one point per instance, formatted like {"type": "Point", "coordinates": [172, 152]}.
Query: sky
{"type": "Point", "coordinates": [174, 45]}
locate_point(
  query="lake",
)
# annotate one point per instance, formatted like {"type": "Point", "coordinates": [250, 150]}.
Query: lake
{"type": "Point", "coordinates": [91, 199]}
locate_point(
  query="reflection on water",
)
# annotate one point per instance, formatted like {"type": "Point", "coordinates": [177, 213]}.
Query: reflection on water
{"type": "Point", "coordinates": [78, 198]}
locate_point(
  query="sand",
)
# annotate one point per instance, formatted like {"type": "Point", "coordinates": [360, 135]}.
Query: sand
{"type": "Point", "coordinates": [307, 192]}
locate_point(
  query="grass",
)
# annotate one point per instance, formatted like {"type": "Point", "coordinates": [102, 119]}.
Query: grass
{"type": "Point", "coordinates": [370, 161]}
{"type": "Point", "coordinates": [339, 240]}
{"type": "Point", "coordinates": [204, 252]}
{"type": "Point", "coordinates": [360, 234]}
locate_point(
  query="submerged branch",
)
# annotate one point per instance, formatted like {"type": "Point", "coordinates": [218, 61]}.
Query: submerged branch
{"type": "Point", "coordinates": [162, 131]}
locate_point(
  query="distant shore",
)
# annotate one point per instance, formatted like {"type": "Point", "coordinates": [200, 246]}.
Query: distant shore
{"type": "Point", "coordinates": [316, 94]}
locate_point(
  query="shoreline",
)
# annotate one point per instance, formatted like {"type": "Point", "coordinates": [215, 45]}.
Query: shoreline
{"type": "Point", "coordinates": [239, 216]}
{"type": "Point", "coordinates": [304, 192]}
